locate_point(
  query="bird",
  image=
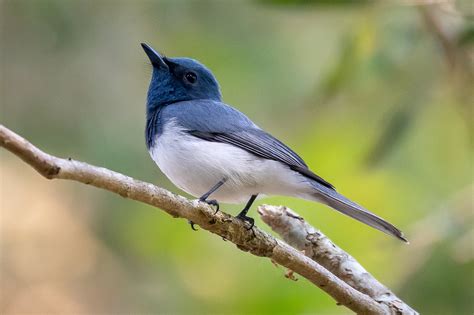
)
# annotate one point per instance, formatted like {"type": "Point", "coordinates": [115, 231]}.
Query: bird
{"type": "Point", "coordinates": [215, 153]}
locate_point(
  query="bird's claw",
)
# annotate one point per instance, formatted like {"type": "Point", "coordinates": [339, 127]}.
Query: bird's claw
{"type": "Point", "coordinates": [192, 225]}
{"type": "Point", "coordinates": [211, 202]}
{"type": "Point", "coordinates": [247, 219]}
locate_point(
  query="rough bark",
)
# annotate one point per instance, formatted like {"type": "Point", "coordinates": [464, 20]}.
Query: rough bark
{"type": "Point", "coordinates": [317, 246]}
{"type": "Point", "coordinates": [255, 241]}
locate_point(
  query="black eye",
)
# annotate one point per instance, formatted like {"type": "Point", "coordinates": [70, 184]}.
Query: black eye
{"type": "Point", "coordinates": [190, 77]}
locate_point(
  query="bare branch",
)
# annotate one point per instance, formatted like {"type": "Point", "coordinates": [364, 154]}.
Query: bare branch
{"type": "Point", "coordinates": [254, 241]}
{"type": "Point", "coordinates": [299, 234]}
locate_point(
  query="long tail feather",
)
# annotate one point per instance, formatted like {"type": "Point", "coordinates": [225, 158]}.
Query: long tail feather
{"type": "Point", "coordinates": [340, 203]}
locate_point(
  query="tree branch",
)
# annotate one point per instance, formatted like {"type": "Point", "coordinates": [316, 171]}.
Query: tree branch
{"type": "Point", "coordinates": [255, 241]}
{"type": "Point", "coordinates": [301, 235]}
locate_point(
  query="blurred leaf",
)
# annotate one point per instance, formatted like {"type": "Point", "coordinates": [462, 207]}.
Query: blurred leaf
{"type": "Point", "coordinates": [396, 126]}
{"type": "Point", "coordinates": [466, 37]}
{"type": "Point", "coordinates": [357, 47]}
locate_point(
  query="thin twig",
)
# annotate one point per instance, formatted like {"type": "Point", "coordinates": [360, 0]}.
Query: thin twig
{"type": "Point", "coordinates": [255, 241]}
{"type": "Point", "coordinates": [317, 246]}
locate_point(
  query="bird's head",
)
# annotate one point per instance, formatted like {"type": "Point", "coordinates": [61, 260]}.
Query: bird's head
{"type": "Point", "coordinates": [178, 79]}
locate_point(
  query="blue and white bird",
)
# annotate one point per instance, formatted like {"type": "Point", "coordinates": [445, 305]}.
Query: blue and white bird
{"type": "Point", "coordinates": [214, 152]}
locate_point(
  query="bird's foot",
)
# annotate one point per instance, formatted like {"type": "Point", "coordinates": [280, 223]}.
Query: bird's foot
{"type": "Point", "coordinates": [192, 225]}
{"type": "Point", "coordinates": [211, 202]}
{"type": "Point", "coordinates": [245, 218]}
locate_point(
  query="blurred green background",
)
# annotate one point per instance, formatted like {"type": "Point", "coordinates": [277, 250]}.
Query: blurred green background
{"type": "Point", "coordinates": [376, 97]}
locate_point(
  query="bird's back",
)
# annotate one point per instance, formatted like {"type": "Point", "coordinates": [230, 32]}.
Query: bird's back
{"type": "Point", "coordinates": [206, 115]}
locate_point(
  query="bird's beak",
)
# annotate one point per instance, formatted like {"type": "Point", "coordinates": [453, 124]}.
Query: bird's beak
{"type": "Point", "coordinates": [155, 58]}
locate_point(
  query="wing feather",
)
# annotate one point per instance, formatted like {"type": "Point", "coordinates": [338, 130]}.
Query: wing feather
{"type": "Point", "coordinates": [262, 144]}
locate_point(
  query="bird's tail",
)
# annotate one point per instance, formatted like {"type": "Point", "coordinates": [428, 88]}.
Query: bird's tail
{"type": "Point", "coordinates": [340, 203]}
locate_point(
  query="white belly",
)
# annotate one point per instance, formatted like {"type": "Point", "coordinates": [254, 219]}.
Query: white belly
{"type": "Point", "coordinates": [195, 166]}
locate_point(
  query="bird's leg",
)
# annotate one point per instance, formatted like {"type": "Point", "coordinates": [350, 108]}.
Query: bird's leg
{"type": "Point", "coordinates": [211, 202]}
{"type": "Point", "coordinates": [243, 214]}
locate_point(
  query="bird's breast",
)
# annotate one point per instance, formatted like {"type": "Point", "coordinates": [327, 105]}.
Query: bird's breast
{"type": "Point", "coordinates": [195, 165]}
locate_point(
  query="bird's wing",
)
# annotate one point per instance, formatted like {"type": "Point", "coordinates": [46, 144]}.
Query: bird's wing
{"type": "Point", "coordinates": [218, 122]}
{"type": "Point", "coordinates": [262, 144]}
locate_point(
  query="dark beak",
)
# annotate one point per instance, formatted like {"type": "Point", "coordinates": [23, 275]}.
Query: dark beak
{"type": "Point", "coordinates": [155, 58]}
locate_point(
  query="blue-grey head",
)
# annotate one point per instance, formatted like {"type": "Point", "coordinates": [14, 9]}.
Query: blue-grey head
{"type": "Point", "coordinates": [178, 79]}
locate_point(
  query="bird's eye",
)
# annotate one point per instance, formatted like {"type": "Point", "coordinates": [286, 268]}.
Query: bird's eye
{"type": "Point", "coordinates": [190, 77]}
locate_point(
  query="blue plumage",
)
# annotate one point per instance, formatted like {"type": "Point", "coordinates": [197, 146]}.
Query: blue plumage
{"type": "Point", "coordinates": [213, 116]}
{"type": "Point", "coordinates": [172, 85]}
{"type": "Point", "coordinates": [210, 149]}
